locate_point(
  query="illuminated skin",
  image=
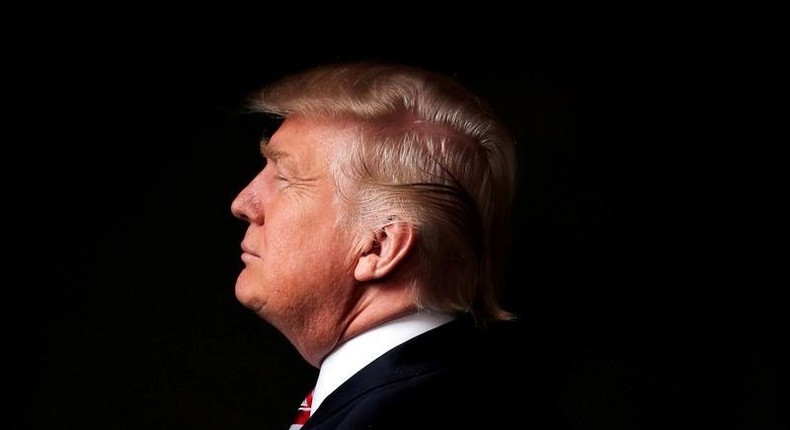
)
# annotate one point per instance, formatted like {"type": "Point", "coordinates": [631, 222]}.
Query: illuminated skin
{"type": "Point", "coordinates": [317, 284]}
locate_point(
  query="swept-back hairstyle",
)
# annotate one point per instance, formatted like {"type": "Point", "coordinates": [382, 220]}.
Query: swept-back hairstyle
{"type": "Point", "coordinates": [429, 153]}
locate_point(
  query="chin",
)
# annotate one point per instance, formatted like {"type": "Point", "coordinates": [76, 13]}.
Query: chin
{"type": "Point", "coordinates": [245, 292]}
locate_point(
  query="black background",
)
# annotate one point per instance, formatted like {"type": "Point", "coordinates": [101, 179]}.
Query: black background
{"type": "Point", "coordinates": [132, 150]}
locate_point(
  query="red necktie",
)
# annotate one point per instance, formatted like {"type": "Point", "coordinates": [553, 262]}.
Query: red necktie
{"type": "Point", "coordinates": [304, 412]}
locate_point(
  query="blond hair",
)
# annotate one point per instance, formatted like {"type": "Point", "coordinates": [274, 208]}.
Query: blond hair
{"type": "Point", "coordinates": [430, 153]}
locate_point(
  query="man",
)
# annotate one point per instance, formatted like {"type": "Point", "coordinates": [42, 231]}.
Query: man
{"type": "Point", "coordinates": [376, 244]}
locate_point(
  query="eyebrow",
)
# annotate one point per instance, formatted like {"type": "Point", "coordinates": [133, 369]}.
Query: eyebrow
{"type": "Point", "coordinates": [272, 154]}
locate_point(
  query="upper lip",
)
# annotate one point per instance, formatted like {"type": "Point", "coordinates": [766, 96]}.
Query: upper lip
{"type": "Point", "coordinates": [246, 249]}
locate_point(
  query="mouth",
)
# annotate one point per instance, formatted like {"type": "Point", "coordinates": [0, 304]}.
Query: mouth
{"type": "Point", "coordinates": [247, 253]}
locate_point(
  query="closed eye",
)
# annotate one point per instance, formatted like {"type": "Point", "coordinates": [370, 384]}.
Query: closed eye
{"type": "Point", "coordinates": [282, 182]}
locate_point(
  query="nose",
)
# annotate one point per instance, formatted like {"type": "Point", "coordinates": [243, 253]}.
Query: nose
{"type": "Point", "coordinates": [238, 204]}
{"type": "Point", "coordinates": [246, 206]}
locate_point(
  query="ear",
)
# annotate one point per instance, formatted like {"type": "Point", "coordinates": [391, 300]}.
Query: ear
{"type": "Point", "coordinates": [384, 250]}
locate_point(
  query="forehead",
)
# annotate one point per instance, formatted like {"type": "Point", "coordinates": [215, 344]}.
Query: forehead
{"type": "Point", "coordinates": [300, 137]}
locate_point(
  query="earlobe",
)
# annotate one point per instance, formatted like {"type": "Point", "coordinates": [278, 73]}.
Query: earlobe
{"type": "Point", "coordinates": [385, 250]}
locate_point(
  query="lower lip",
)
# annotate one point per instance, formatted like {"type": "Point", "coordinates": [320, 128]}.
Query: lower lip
{"type": "Point", "coordinates": [247, 257]}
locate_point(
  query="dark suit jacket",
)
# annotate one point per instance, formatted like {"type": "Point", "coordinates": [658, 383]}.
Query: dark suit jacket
{"type": "Point", "coordinates": [456, 376]}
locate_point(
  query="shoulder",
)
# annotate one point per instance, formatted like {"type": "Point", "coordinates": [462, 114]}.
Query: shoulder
{"type": "Point", "coordinates": [456, 375]}
{"type": "Point", "coordinates": [449, 399]}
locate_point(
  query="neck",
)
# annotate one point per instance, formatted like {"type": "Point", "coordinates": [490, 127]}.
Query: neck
{"type": "Point", "coordinates": [376, 306]}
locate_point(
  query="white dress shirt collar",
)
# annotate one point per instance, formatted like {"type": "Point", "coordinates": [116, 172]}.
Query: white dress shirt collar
{"type": "Point", "coordinates": [359, 351]}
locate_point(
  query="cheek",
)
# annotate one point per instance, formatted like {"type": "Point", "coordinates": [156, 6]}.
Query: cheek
{"type": "Point", "coordinates": [318, 252]}
{"type": "Point", "coordinates": [300, 228]}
